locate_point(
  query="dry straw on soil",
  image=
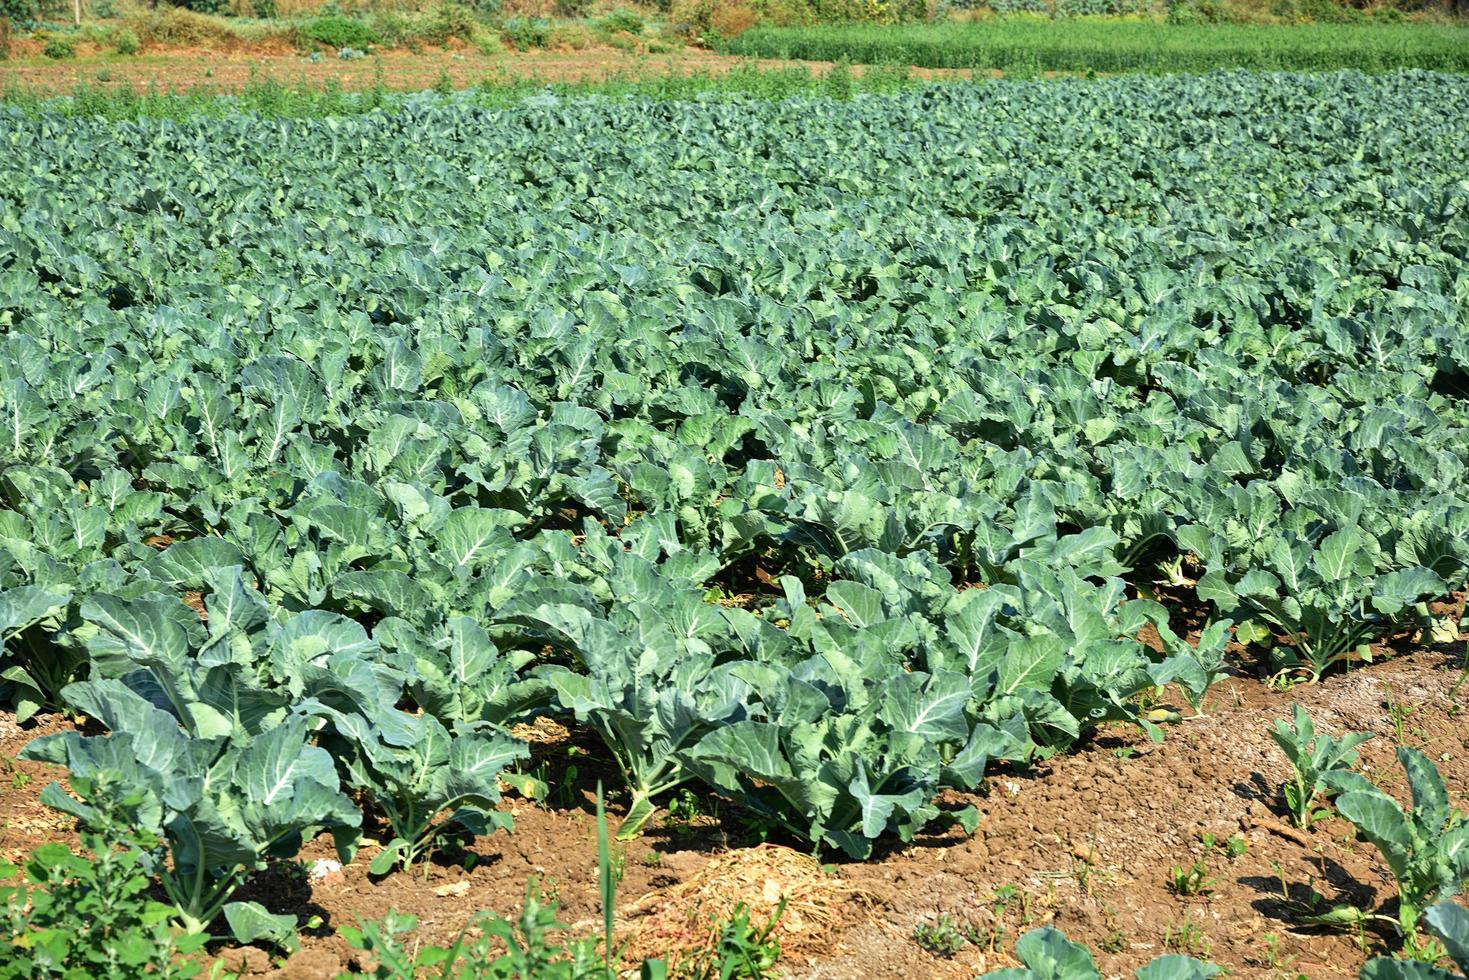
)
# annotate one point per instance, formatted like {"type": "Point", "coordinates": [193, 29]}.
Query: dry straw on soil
{"type": "Point", "coordinates": [677, 923]}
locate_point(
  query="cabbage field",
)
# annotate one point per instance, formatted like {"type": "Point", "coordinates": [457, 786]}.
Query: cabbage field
{"type": "Point", "coordinates": [815, 454]}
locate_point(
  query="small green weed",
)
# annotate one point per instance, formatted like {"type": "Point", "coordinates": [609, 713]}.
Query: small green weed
{"type": "Point", "coordinates": [941, 938]}
{"type": "Point", "coordinates": [90, 915]}
{"type": "Point", "coordinates": [1188, 938]}
{"type": "Point", "coordinates": [59, 48]}
{"type": "Point", "coordinates": [741, 951]}
{"type": "Point", "coordinates": [1193, 880]}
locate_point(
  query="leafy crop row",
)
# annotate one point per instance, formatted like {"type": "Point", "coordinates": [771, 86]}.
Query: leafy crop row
{"type": "Point", "coordinates": [817, 451]}
{"type": "Point", "coordinates": [1030, 45]}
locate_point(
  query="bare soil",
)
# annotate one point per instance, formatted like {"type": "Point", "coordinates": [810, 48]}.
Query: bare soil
{"type": "Point", "coordinates": [1091, 838]}
{"type": "Point", "coordinates": [1086, 841]}
{"type": "Point", "coordinates": [26, 822]}
{"type": "Point", "coordinates": [400, 70]}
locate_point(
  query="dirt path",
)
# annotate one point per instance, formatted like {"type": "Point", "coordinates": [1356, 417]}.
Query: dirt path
{"type": "Point", "coordinates": [1090, 839]}
{"type": "Point", "coordinates": [229, 71]}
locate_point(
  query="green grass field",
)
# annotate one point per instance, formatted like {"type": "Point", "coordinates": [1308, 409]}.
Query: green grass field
{"type": "Point", "coordinates": [1031, 45]}
{"type": "Point", "coordinates": [271, 98]}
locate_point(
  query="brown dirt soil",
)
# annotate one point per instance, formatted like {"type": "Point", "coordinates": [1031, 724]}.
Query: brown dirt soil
{"type": "Point", "coordinates": [26, 822]}
{"type": "Point", "coordinates": [231, 70]}
{"type": "Point", "coordinates": [1086, 840]}
{"type": "Point", "coordinates": [1090, 839]}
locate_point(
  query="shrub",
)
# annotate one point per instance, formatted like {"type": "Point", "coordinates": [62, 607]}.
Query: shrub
{"type": "Point", "coordinates": [340, 32]}
{"type": "Point", "coordinates": [783, 13]}
{"type": "Point", "coordinates": [621, 21]}
{"type": "Point", "coordinates": [712, 20]}
{"type": "Point", "coordinates": [4, 38]}
{"type": "Point", "coordinates": [524, 33]}
{"type": "Point", "coordinates": [22, 13]}
{"type": "Point", "coordinates": [395, 29]}
{"type": "Point", "coordinates": [691, 17]}
{"type": "Point", "coordinates": [1095, 8]}
{"type": "Point", "coordinates": [732, 20]}
{"type": "Point", "coordinates": [265, 9]}
{"type": "Point", "coordinates": [808, 12]}
{"type": "Point", "coordinates": [445, 21]}
{"type": "Point", "coordinates": [450, 20]}
{"type": "Point", "coordinates": [1324, 11]}
{"type": "Point", "coordinates": [1185, 13]}
{"type": "Point", "coordinates": [91, 33]}
{"type": "Point", "coordinates": [205, 6]}
{"type": "Point", "coordinates": [573, 8]}
{"type": "Point", "coordinates": [126, 42]}
{"type": "Point", "coordinates": [487, 44]}
{"type": "Point", "coordinates": [573, 36]}
{"type": "Point", "coordinates": [175, 25]}
{"type": "Point", "coordinates": [59, 48]}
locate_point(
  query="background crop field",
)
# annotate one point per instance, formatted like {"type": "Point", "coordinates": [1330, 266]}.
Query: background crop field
{"type": "Point", "coordinates": [1028, 45]}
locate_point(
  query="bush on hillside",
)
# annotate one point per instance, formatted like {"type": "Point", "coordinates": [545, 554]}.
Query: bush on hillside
{"type": "Point", "coordinates": [796, 13]}
{"type": "Point", "coordinates": [176, 25]}
{"type": "Point", "coordinates": [524, 33]}
{"type": "Point", "coordinates": [340, 32]}
{"type": "Point", "coordinates": [20, 13]}
{"type": "Point", "coordinates": [59, 48]}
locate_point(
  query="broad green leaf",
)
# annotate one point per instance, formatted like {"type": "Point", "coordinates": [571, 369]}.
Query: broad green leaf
{"type": "Point", "coordinates": [250, 922]}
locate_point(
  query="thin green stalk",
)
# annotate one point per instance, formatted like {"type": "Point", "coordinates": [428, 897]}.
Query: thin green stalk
{"type": "Point", "coordinates": [607, 885]}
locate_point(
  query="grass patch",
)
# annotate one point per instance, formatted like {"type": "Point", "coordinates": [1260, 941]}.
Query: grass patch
{"type": "Point", "coordinates": [270, 98]}
{"type": "Point", "coordinates": [1030, 45]}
